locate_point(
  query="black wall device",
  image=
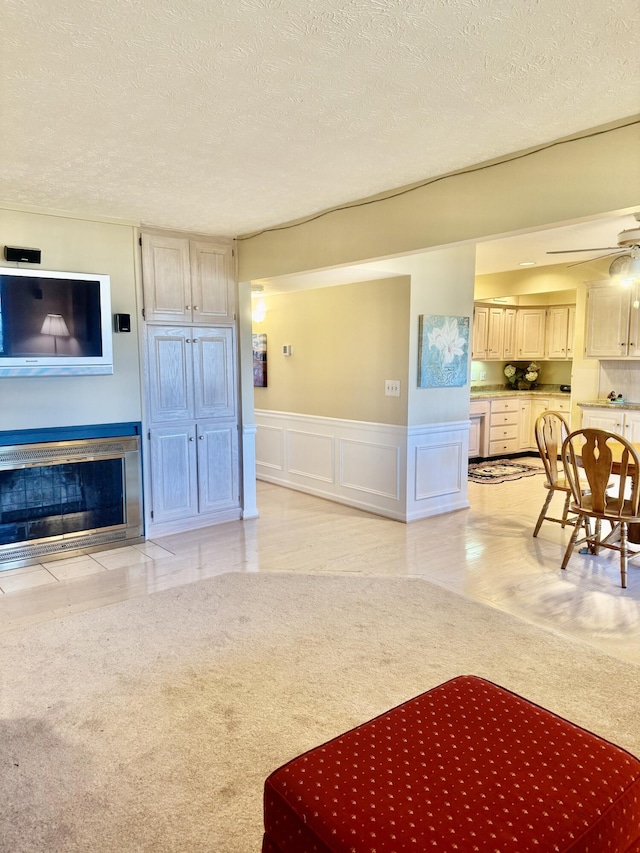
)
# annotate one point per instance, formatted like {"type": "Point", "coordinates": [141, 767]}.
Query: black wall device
{"type": "Point", "coordinates": [122, 322]}
{"type": "Point", "coordinates": [22, 255]}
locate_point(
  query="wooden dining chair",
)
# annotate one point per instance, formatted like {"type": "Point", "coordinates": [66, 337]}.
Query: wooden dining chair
{"type": "Point", "coordinates": [551, 429]}
{"type": "Point", "coordinates": [598, 455]}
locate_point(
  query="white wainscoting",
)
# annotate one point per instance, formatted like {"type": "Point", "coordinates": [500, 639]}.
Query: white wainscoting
{"type": "Point", "coordinates": [399, 472]}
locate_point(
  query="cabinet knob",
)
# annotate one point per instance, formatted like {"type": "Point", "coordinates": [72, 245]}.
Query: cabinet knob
{"type": "Point", "coordinates": [194, 341]}
{"type": "Point", "coordinates": [191, 438]}
{"type": "Point", "coordinates": [196, 307]}
{"type": "Point", "coordinates": [201, 437]}
{"type": "Point", "coordinates": [188, 307]}
{"type": "Point", "coordinates": [188, 340]}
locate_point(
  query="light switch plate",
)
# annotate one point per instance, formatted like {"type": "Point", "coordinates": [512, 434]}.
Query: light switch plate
{"type": "Point", "coordinates": [391, 387]}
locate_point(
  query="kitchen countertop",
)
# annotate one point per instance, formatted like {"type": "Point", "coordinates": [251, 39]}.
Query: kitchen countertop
{"type": "Point", "coordinates": [605, 404]}
{"type": "Point", "coordinates": [491, 391]}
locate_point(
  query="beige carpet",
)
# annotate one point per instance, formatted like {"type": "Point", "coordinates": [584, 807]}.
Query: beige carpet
{"type": "Point", "coordinates": [150, 725]}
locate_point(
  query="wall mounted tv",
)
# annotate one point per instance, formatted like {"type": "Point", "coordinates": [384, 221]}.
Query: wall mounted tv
{"type": "Point", "coordinates": [54, 323]}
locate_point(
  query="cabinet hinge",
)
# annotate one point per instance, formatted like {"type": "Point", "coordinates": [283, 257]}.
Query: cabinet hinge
{"type": "Point", "coordinates": [149, 434]}
{"type": "Point", "coordinates": [233, 253]}
{"type": "Point", "coordinates": [143, 314]}
{"type": "Point", "coordinates": [140, 240]}
{"type": "Point", "coordinates": [151, 513]}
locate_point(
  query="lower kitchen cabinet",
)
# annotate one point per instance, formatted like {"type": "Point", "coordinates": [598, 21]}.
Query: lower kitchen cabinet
{"type": "Point", "coordinates": [511, 423]}
{"type": "Point", "coordinates": [194, 470]}
{"type": "Point", "coordinates": [625, 422]}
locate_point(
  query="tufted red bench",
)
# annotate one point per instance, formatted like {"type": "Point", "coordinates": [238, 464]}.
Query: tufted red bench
{"type": "Point", "coordinates": [465, 767]}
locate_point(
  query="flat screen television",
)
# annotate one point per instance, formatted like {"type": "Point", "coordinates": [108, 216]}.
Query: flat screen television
{"type": "Point", "coordinates": [54, 323]}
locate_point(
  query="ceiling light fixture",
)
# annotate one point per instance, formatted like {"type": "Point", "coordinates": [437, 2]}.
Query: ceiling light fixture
{"type": "Point", "coordinates": [527, 264]}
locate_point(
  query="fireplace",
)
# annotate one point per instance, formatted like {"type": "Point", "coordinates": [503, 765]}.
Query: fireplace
{"type": "Point", "coordinates": [70, 496]}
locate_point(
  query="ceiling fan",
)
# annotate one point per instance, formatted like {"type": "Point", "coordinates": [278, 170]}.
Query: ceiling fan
{"type": "Point", "coordinates": [627, 252]}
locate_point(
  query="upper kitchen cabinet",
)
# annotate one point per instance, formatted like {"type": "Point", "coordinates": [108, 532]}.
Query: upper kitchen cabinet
{"type": "Point", "coordinates": [494, 331]}
{"type": "Point", "coordinates": [187, 280]}
{"type": "Point", "coordinates": [613, 323]}
{"type": "Point", "coordinates": [560, 331]}
{"type": "Point", "coordinates": [530, 333]}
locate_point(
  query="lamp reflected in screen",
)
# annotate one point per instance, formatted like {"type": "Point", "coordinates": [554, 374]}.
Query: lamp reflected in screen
{"type": "Point", "coordinates": [55, 325]}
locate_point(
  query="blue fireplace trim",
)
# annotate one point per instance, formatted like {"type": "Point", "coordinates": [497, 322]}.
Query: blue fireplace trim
{"type": "Point", "coordinates": [69, 433]}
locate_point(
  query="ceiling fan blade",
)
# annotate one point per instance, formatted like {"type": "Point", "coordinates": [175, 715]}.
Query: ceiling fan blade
{"type": "Point", "coordinates": [608, 255]}
{"type": "Point", "coordinates": [595, 249]}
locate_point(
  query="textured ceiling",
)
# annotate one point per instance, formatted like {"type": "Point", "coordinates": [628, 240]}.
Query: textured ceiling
{"type": "Point", "coordinates": [226, 116]}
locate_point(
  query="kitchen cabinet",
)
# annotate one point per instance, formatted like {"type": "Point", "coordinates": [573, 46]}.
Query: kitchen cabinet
{"type": "Point", "coordinates": [495, 335]}
{"type": "Point", "coordinates": [480, 332]}
{"type": "Point", "coordinates": [524, 424]}
{"type": "Point", "coordinates": [617, 419]}
{"type": "Point", "coordinates": [613, 321]}
{"type": "Point", "coordinates": [187, 280]}
{"type": "Point", "coordinates": [509, 347]}
{"type": "Point", "coordinates": [530, 333]}
{"type": "Point", "coordinates": [478, 429]}
{"type": "Point", "coordinates": [560, 331]}
{"type": "Point", "coordinates": [511, 422]}
{"type": "Point", "coordinates": [504, 426]}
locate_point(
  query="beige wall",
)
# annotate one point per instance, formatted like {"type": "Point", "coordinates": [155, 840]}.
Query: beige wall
{"type": "Point", "coordinates": [77, 245]}
{"type": "Point", "coordinates": [582, 178]}
{"type": "Point", "coordinates": [346, 341]}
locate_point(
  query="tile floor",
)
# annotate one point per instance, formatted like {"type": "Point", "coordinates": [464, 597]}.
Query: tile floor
{"type": "Point", "coordinates": [486, 553]}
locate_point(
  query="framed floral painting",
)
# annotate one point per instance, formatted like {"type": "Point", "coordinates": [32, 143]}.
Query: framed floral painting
{"type": "Point", "coordinates": [443, 351]}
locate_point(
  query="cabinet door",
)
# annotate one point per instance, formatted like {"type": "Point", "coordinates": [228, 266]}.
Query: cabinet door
{"type": "Point", "coordinates": [218, 479]}
{"type": "Point", "coordinates": [538, 406]}
{"type": "Point", "coordinates": [509, 343]}
{"type": "Point", "coordinates": [557, 331]}
{"type": "Point", "coordinates": [166, 278]}
{"type": "Point", "coordinates": [212, 282]}
{"type": "Point", "coordinates": [571, 330]}
{"type": "Point", "coordinates": [632, 427]}
{"type": "Point", "coordinates": [495, 337]}
{"type": "Point", "coordinates": [607, 330]}
{"type": "Point", "coordinates": [634, 322]}
{"type": "Point", "coordinates": [531, 332]}
{"type": "Point", "coordinates": [170, 373]}
{"type": "Point", "coordinates": [602, 419]}
{"type": "Point", "coordinates": [174, 487]}
{"type": "Point", "coordinates": [475, 430]}
{"type": "Point", "coordinates": [480, 332]}
{"type": "Point", "coordinates": [525, 425]}
{"type": "Point", "coordinates": [214, 372]}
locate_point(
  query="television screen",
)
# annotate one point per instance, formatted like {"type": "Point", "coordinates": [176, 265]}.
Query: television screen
{"type": "Point", "coordinates": [54, 323]}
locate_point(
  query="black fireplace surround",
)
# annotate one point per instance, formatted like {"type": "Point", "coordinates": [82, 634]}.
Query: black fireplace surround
{"type": "Point", "coordinates": [69, 491]}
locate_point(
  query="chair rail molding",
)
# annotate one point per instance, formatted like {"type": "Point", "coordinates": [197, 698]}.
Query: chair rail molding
{"type": "Point", "coordinates": [403, 473]}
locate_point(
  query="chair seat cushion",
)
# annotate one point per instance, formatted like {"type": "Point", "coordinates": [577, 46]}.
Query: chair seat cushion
{"type": "Point", "coordinates": [467, 766]}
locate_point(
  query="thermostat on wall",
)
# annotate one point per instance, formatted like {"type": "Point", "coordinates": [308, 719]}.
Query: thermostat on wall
{"type": "Point", "coordinates": [286, 349]}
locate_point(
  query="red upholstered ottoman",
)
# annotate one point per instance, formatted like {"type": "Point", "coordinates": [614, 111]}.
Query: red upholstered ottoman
{"type": "Point", "coordinates": [465, 767]}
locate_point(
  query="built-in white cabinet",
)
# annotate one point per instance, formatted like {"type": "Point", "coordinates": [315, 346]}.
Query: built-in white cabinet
{"type": "Point", "coordinates": [613, 321]}
{"type": "Point", "coordinates": [625, 422]}
{"type": "Point", "coordinates": [187, 280]}
{"type": "Point", "coordinates": [191, 373]}
{"type": "Point", "coordinates": [190, 369]}
{"type": "Point", "coordinates": [478, 428]}
{"type": "Point", "coordinates": [195, 470]}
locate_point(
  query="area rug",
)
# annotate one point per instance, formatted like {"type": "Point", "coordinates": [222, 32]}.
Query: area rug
{"type": "Point", "coordinates": [150, 725]}
{"type": "Point", "coordinates": [501, 471]}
